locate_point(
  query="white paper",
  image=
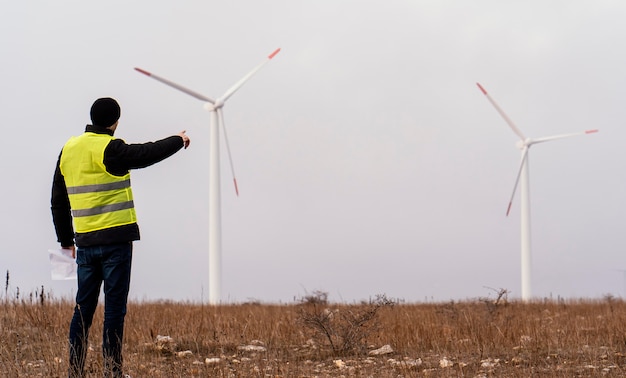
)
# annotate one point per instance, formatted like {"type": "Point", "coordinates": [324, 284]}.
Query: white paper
{"type": "Point", "coordinates": [63, 264]}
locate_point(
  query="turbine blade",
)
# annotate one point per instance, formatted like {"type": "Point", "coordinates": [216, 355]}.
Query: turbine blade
{"type": "Point", "coordinates": [502, 113]}
{"type": "Point", "coordinates": [561, 136]}
{"type": "Point", "coordinates": [519, 174]}
{"type": "Point", "coordinates": [242, 81]}
{"type": "Point", "coordinates": [220, 117]}
{"type": "Point", "coordinates": [176, 86]}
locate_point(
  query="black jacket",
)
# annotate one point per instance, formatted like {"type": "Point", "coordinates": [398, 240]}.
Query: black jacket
{"type": "Point", "coordinates": [119, 158]}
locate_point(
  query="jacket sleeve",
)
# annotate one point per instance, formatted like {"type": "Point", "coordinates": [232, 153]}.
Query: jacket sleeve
{"type": "Point", "coordinates": [61, 212]}
{"type": "Point", "coordinates": [120, 157]}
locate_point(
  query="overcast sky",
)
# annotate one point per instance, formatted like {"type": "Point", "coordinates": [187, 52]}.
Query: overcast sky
{"type": "Point", "coordinates": [367, 159]}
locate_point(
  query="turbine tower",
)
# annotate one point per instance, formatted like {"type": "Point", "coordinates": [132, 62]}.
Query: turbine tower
{"type": "Point", "coordinates": [216, 122]}
{"type": "Point", "coordinates": [524, 145]}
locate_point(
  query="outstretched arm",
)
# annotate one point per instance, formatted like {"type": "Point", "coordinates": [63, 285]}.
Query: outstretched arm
{"type": "Point", "coordinates": [120, 157]}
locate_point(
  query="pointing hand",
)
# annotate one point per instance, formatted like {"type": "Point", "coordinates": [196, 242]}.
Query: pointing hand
{"type": "Point", "coordinates": [186, 139]}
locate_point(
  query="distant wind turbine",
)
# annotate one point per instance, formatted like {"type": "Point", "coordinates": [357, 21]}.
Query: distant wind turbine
{"type": "Point", "coordinates": [216, 121]}
{"type": "Point", "coordinates": [524, 145]}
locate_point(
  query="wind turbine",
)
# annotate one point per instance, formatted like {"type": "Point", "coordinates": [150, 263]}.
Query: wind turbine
{"type": "Point", "coordinates": [524, 145]}
{"type": "Point", "coordinates": [216, 121]}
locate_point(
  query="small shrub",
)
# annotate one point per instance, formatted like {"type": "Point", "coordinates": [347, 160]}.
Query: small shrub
{"type": "Point", "coordinates": [344, 328]}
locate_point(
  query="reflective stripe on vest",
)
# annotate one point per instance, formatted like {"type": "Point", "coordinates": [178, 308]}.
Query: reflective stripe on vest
{"type": "Point", "coordinates": [103, 209]}
{"type": "Point", "coordinates": [98, 199]}
{"type": "Point", "coordinates": [99, 187]}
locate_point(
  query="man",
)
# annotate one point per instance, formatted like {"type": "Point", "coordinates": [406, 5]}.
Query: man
{"type": "Point", "coordinates": [93, 214]}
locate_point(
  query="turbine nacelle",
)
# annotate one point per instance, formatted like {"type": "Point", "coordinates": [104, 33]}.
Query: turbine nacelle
{"type": "Point", "coordinates": [214, 106]}
{"type": "Point", "coordinates": [521, 144]}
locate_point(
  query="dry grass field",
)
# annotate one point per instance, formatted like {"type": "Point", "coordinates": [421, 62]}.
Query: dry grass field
{"type": "Point", "coordinates": [314, 338]}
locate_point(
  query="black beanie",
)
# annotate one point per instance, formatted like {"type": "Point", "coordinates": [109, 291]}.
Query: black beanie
{"type": "Point", "coordinates": [105, 112]}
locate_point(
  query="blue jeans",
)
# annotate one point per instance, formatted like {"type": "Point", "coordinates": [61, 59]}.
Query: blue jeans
{"type": "Point", "coordinates": [110, 264]}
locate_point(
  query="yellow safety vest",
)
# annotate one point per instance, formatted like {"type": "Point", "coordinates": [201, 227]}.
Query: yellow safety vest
{"type": "Point", "coordinates": [98, 199]}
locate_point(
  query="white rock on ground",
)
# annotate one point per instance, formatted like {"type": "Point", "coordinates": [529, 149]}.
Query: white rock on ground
{"type": "Point", "coordinates": [340, 364]}
{"type": "Point", "coordinates": [445, 363]}
{"type": "Point", "coordinates": [385, 349]}
{"type": "Point", "coordinates": [252, 348]}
